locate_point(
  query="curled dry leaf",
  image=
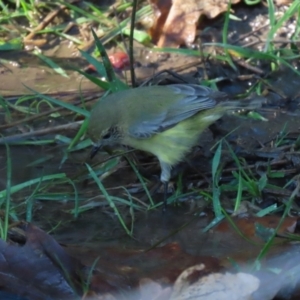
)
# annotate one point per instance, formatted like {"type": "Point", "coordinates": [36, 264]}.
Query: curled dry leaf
{"type": "Point", "coordinates": [214, 286]}
{"type": "Point", "coordinates": [176, 21]}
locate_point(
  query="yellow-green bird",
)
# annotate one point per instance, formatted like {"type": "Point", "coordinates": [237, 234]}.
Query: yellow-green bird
{"type": "Point", "coordinates": [163, 120]}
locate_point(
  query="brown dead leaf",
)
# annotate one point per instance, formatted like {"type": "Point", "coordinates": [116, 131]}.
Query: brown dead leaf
{"type": "Point", "coordinates": [37, 270]}
{"type": "Point", "coordinates": [283, 2]}
{"type": "Point", "coordinates": [176, 21]}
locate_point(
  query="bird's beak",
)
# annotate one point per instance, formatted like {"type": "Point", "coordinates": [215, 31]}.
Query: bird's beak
{"type": "Point", "coordinates": [94, 151]}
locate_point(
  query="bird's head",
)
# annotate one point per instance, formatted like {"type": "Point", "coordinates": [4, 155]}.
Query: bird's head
{"type": "Point", "coordinates": [101, 137]}
{"type": "Point", "coordinates": [104, 136]}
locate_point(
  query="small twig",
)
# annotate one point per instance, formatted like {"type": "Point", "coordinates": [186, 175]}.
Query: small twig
{"type": "Point", "coordinates": [245, 65]}
{"type": "Point", "coordinates": [134, 7]}
{"type": "Point", "coordinates": [203, 60]}
{"type": "Point", "coordinates": [45, 113]}
{"type": "Point", "coordinates": [40, 132]}
{"type": "Point", "coordinates": [273, 88]}
{"type": "Point", "coordinates": [170, 72]}
{"type": "Point", "coordinates": [242, 37]}
{"type": "Point", "coordinates": [47, 20]}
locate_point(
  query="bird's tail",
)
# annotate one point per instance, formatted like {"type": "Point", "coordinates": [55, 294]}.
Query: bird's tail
{"type": "Point", "coordinates": [242, 105]}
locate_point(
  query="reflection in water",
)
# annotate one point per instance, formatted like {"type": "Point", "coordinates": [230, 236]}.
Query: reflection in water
{"type": "Point", "coordinates": [23, 164]}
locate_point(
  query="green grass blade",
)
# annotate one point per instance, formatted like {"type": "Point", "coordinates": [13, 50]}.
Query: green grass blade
{"type": "Point", "coordinates": [66, 105]}
{"type": "Point", "coordinates": [108, 198]}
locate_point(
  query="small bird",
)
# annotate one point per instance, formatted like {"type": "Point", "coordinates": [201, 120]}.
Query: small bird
{"type": "Point", "coordinates": [163, 120]}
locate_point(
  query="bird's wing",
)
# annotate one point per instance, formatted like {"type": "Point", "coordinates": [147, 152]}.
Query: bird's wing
{"type": "Point", "coordinates": [194, 99]}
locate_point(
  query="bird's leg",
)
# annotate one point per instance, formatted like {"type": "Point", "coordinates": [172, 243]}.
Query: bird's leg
{"type": "Point", "coordinates": [166, 187]}
{"type": "Point", "coordinates": [164, 178]}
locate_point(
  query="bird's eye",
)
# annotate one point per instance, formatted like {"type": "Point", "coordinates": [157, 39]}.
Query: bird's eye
{"type": "Point", "coordinates": [106, 136]}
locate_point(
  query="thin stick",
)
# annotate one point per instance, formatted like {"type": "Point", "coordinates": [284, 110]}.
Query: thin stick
{"type": "Point", "coordinates": [48, 112]}
{"type": "Point", "coordinates": [47, 20]}
{"type": "Point", "coordinates": [134, 6]}
{"type": "Point", "coordinates": [22, 136]}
